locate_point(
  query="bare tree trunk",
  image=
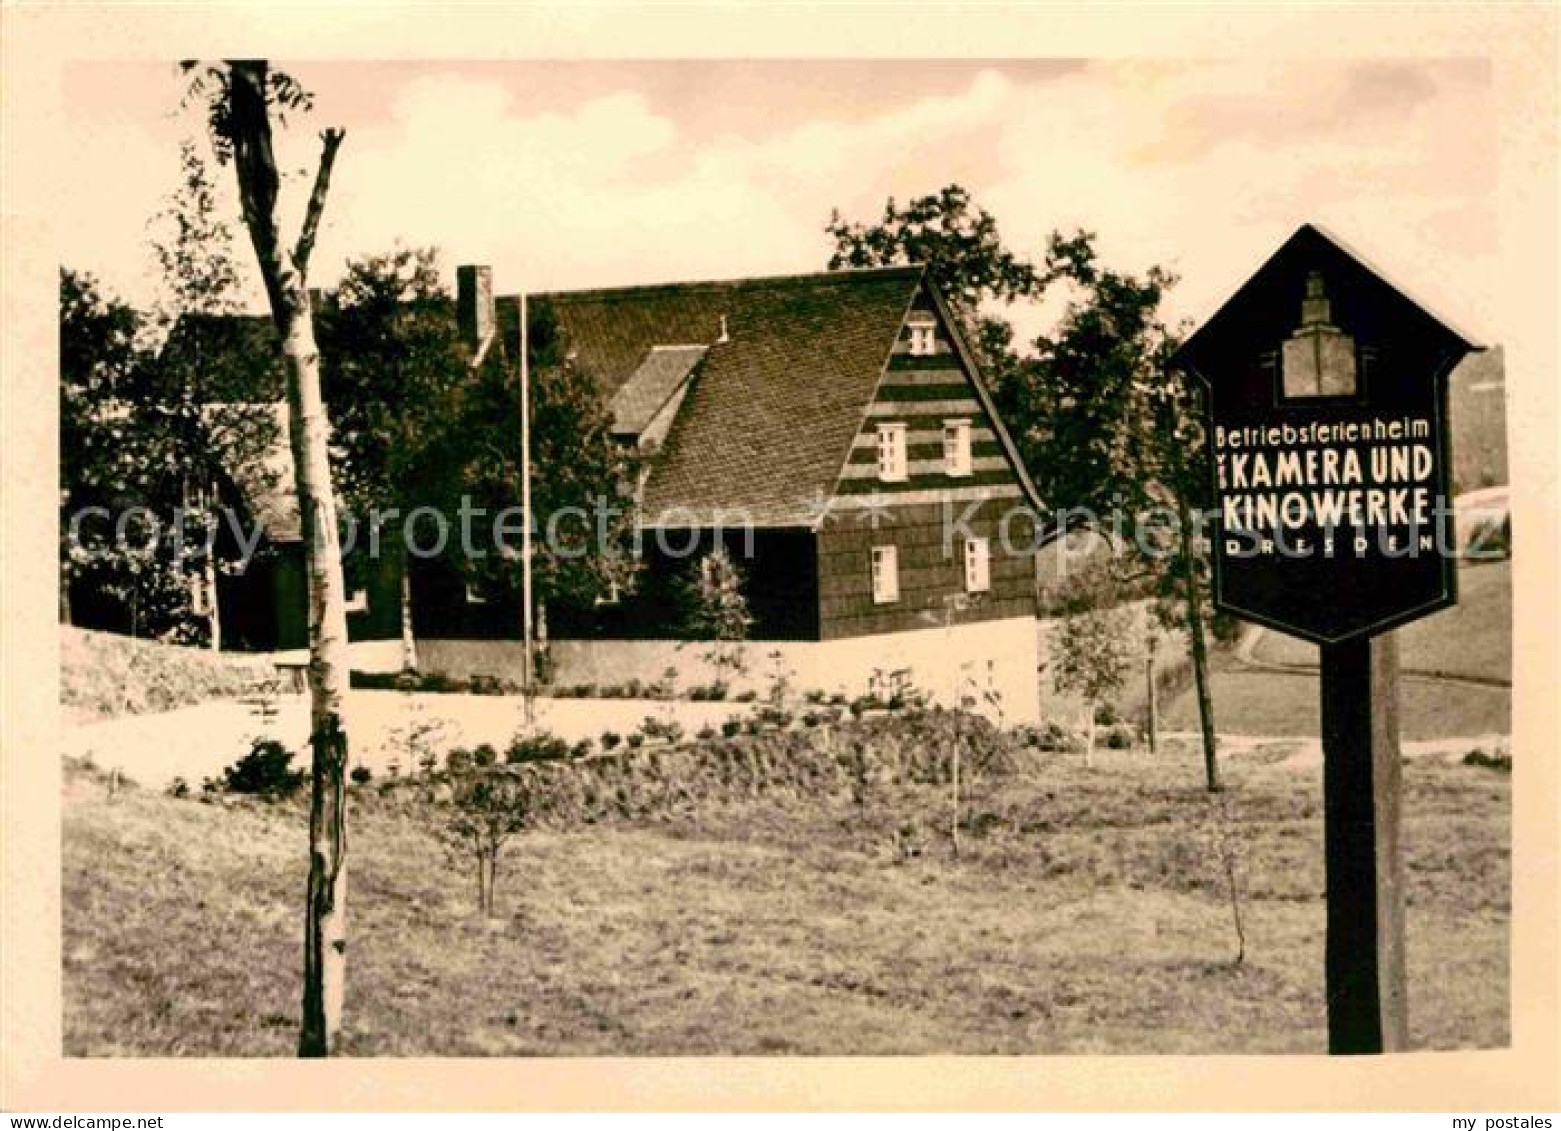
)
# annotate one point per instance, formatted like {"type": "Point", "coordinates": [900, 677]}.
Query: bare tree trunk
{"type": "Point", "coordinates": [1153, 706]}
{"type": "Point", "coordinates": [1089, 743]}
{"type": "Point", "coordinates": [408, 636]}
{"type": "Point", "coordinates": [954, 828]}
{"type": "Point", "coordinates": [285, 276]}
{"type": "Point", "coordinates": [1200, 651]}
{"type": "Point", "coordinates": [214, 617]}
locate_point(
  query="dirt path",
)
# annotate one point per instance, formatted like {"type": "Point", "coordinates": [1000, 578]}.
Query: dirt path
{"type": "Point", "coordinates": [198, 742]}
{"type": "Point", "coordinates": [1245, 654]}
{"type": "Point", "coordinates": [1302, 752]}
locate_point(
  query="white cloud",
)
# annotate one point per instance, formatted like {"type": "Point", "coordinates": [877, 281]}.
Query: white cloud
{"type": "Point", "coordinates": [1203, 167]}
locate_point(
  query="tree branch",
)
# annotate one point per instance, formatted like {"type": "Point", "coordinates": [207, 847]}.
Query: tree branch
{"type": "Point", "coordinates": [330, 140]}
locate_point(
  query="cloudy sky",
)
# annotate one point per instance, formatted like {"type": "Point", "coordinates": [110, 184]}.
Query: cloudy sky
{"type": "Point", "coordinates": [577, 174]}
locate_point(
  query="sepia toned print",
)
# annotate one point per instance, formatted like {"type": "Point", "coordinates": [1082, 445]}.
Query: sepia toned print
{"type": "Point", "coordinates": [616, 573]}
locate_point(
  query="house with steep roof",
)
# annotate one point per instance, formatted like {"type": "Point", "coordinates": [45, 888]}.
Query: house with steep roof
{"type": "Point", "coordinates": [832, 431]}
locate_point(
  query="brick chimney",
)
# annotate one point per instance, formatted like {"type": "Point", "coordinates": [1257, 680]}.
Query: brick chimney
{"type": "Point", "coordinates": [474, 304]}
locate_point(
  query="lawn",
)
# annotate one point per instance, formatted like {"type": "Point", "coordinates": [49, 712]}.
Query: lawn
{"type": "Point", "coordinates": [1283, 703]}
{"type": "Point", "coordinates": [1472, 638]}
{"type": "Point", "coordinates": [1086, 913]}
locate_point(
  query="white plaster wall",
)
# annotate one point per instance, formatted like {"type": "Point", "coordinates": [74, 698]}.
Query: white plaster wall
{"type": "Point", "coordinates": [947, 663]}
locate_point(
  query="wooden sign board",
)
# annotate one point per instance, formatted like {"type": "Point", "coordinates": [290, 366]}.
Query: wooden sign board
{"type": "Point", "coordinates": [1326, 405]}
{"type": "Point", "coordinates": [1327, 413]}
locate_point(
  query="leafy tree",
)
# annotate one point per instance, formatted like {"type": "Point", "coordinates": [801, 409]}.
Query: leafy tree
{"type": "Point", "coordinates": [1107, 430]}
{"type": "Point", "coordinates": [964, 254]}
{"type": "Point", "coordinates": [582, 480]}
{"type": "Point", "coordinates": [104, 464]}
{"type": "Point", "coordinates": [1092, 647]}
{"type": "Point", "coordinates": [240, 98]}
{"type": "Point", "coordinates": [201, 404]}
{"type": "Point", "coordinates": [393, 368]}
{"type": "Point", "coordinates": [487, 808]}
{"type": "Point", "coordinates": [715, 609]}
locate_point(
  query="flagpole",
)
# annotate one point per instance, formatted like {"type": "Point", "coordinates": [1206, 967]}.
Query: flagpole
{"type": "Point", "coordinates": [525, 494]}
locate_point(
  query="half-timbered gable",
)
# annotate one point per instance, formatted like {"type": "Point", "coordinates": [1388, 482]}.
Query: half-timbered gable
{"type": "Point", "coordinates": [933, 519]}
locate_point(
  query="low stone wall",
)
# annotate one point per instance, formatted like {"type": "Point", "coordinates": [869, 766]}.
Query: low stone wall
{"type": "Point", "coordinates": [997, 657]}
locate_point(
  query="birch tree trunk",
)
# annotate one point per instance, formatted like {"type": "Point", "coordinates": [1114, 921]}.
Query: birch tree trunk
{"type": "Point", "coordinates": [214, 617]}
{"type": "Point", "coordinates": [1200, 649]}
{"type": "Point", "coordinates": [248, 129]}
{"type": "Point", "coordinates": [408, 635]}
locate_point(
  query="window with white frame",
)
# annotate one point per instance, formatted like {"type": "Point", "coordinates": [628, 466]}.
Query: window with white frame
{"type": "Point", "coordinates": [891, 453]}
{"type": "Point", "coordinates": [357, 600]}
{"type": "Point", "coordinates": [886, 575]}
{"type": "Point", "coordinates": [956, 447]}
{"type": "Point", "coordinates": [924, 336]}
{"type": "Point", "coordinates": [978, 565]}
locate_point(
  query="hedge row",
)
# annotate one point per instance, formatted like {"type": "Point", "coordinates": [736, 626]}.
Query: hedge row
{"type": "Point", "coordinates": [848, 762]}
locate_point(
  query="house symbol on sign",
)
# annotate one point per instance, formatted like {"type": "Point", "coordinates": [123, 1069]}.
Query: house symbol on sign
{"type": "Point", "coordinates": [1318, 360]}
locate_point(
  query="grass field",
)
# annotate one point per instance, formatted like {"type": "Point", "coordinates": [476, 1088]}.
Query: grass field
{"type": "Point", "coordinates": [1087, 913]}
{"type": "Point", "coordinates": [1474, 638]}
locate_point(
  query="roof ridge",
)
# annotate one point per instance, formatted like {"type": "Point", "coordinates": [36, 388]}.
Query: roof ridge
{"type": "Point", "coordinates": [640, 290]}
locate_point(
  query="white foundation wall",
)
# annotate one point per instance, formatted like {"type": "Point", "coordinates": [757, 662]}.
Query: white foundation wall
{"type": "Point", "coordinates": [948, 663]}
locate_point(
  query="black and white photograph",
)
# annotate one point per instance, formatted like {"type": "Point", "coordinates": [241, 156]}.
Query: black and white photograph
{"type": "Point", "coordinates": [877, 556]}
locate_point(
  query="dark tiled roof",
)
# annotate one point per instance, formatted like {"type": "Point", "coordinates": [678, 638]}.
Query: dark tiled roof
{"type": "Point", "coordinates": [774, 407]}
{"type": "Point", "coordinates": [647, 391]}
{"type": "Point", "coordinates": [266, 483]}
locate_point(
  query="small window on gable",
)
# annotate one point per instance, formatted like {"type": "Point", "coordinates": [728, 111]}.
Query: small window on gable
{"type": "Point", "coordinates": [357, 600]}
{"type": "Point", "coordinates": [924, 337]}
{"type": "Point", "coordinates": [956, 447]}
{"type": "Point", "coordinates": [978, 565]}
{"type": "Point", "coordinates": [891, 453]}
{"type": "Point", "coordinates": [886, 575]}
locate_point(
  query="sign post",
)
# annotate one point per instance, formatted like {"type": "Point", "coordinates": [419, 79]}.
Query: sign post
{"type": "Point", "coordinates": [1326, 404]}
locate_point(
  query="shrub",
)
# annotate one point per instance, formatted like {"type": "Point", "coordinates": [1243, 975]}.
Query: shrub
{"type": "Point", "coordinates": [1119, 737]}
{"type": "Point", "coordinates": [1049, 736]}
{"type": "Point", "coordinates": [636, 740]}
{"type": "Point", "coordinates": [458, 760]}
{"type": "Point", "coordinates": [731, 727]}
{"type": "Point", "coordinates": [777, 717]}
{"type": "Point", "coordinates": [540, 747]}
{"type": "Point", "coordinates": [361, 775]}
{"type": "Point", "coordinates": [864, 703]}
{"type": "Point", "coordinates": [706, 733]}
{"type": "Point", "coordinates": [747, 696]}
{"type": "Point", "coordinates": [178, 788]}
{"type": "Point", "coordinates": [266, 771]}
{"type": "Point", "coordinates": [1106, 715]}
{"type": "Point", "coordinates": [1498, 760]}
{"type": "Point", "coordinates": [610, 739]}
{"type": "Point", "coordinates": [815, 697]}
{"type": "Point", "coordinates": [487, 808]}
{"type": "Point", "coordinates": [812, 719]}
{"type": "Point", "coordinates": [582, 749]}
{"type": "Point", "coordinates": [669, 730]}
{"type": "Point", "coordinates": [484, 755]}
